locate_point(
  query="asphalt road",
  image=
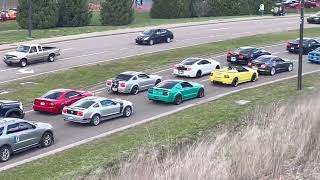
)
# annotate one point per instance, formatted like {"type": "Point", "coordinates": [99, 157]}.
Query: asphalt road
{"type": "Point", "coordinates": [67, 133]}
{"type": "Point", "coordinates": [98, 49]}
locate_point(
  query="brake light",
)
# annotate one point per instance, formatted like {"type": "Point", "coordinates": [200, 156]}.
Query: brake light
{"type": "Point", "coordinates": [122, 84]}
{"type": "Point", "coordinates": [226, 76]}
{"type": "Point", "coordinates": [288, 45]}
{"type": "Point", "coordinates": [79, 113]}
{"type": "Point", "coordinates": [249, 63]}
{"type": "Point", "coordinates": [165, 93]}
{"type": "Point", "coordinates": [298, 45]}
{"type": "Point", "coordinates": [241, 56]}
{"type": "Point", "coordinates": [264, 65]}
{"type": "Point", "coordinates": [64, 110]}
{"type": "Point", "coordinates": [51, 104]}
{"type": "Point", "coordinates": [109, 82]}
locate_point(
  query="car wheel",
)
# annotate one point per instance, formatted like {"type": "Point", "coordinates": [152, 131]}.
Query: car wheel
{"type": "Point", "coordinates": [23, 63]}
{"type": "Point", "coordinates": [158, 81]}
{"type": "Point", "coordinates": [5, 153]}
{"type": "Point", "coordinates": [273, 71]}
{"type": "Point", "coordinates": [235, 82]}
{"type": "Point", "coordinates": [134, 90]}
{"type": "Point", "coordinates": [151, 42]}
{"type": "Point", "coordinates": [15, 115]}
{"type": "Point", "coordinates": [95, 120]}
{"type": "Point", "coordinates": [178, 99]}
{"type": "Point", "coordinates": [198, 74]}
{"type": "Point", "coordinates": [201, 93]}
{"type": "Point", "coordinates": [290, 68]}
{"type": "Point", "coordinates": [168, 40]}
{"type": "Point", "coordinates": [127, 111]}
{"type": "Point", "coordinates": [47, 139]}
{"type": "Point", "coordinates": [217, 67]}
{"type": "Point", "coordinates": [254, 77]}
{"type": "Point", "coordinates": [51, 58]}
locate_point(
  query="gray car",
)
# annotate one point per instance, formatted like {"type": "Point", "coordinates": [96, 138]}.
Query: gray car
{"type": "Point", "coordinates": [132, 82]}
{"type": "Point", "coordinates": [92, 110]}
{"type": "Point", "coordinates": [17, 135]}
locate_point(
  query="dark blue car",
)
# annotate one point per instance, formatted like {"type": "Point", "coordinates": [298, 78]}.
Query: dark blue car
{"type": "Point", "coordinates": [12, 109]}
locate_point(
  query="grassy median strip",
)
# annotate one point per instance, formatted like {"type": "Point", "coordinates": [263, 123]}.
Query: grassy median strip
{"type": "Point", "coordinates": [184, 126]}
{"type": "Point", "coordinates": [82, 77]}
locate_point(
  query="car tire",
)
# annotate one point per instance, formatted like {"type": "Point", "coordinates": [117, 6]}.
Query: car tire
{"type": "Point", "coordinates": [46, 139]}
{"type": "Point", "coordinates": [134, 90]}
{"type": "Point", "coordinates": [5, 153]}
{"type": "Point", "coordinates": [157, 81]}
{"type": "Point", "coordinates": [254, 77]}
{"type": "Point", "coordinates": [127, 112]}
{"type": "Point", "coordinates": [218, 67]}
{"type": "Point", "coordinates": [178, 99]}
{"type": "Point", "coordinates": [235, 82]}
{"type": "Point", "coordinates": [201, 93]}
{"type": "Point", "coordinates": [168, 40]}
{"type": "Point", "coordinates": [273, 71]}
{"type": "Point", "coordinates": [95, 120]}
{"type": "Point", "coordinates": [290, 67]}
{"type": "Point", "coordinates": [151, 42]}
{"type": "Point", "coordinates": [51, 58]}
{"type": "Point", "coordinates": [15, 114]}
{"type": "Point", "coordinates": [23, 63]}
{"type": "Point", "coordinates": [199, 74]}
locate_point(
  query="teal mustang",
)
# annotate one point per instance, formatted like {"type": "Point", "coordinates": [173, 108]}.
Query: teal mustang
{"type": "Point", "coordinates": [314, 56]}
{"type": "Point", "coordinates": [175, 91]}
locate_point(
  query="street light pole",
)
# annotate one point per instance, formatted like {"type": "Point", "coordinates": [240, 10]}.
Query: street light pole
{"type": "Point", "coordinates": [301, 45]}
{"type": "Point", "coordinates": [30, 19]}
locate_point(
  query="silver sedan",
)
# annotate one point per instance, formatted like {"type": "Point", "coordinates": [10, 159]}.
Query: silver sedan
{"type": "Point", "coordinates": [132, 82]}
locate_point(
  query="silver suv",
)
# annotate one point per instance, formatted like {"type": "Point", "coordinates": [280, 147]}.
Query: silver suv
{"type": "Point", "coordinates": [17, 135]}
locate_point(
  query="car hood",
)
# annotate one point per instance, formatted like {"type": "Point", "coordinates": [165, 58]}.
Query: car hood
{"type": "Point", "coordinates": [16, 53]}
{"type": "Point", "coordinates": [43, 125]}
{"type": "Point", "coordinates": [143, 36]}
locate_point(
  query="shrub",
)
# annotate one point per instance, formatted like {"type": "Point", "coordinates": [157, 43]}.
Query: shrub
{"type": "Point", "coordinates": [74, 13]}
{"type": "Point", "coordinates": [171, 9]}
{"type": "Point", "coordinates": [117, 12]}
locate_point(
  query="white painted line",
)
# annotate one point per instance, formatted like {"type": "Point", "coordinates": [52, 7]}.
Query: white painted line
{"type": "Point", "coordinates": [218, 29]}
{"type": "Point", "coordinates": [28, 111]}
{"type": "Point", "coordinates": [9, 69]}
{"type": "Point", "coordinates": [140, 122]}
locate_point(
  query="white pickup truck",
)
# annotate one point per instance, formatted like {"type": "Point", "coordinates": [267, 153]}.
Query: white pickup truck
{"type": "Point", "coordinates": [30, 53]}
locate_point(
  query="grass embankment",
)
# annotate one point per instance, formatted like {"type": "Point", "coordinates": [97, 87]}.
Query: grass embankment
{"type": "Point", "coordinates": [185, 126]}
{"type": "Point", "coordinates": [10, 32]}
{"type": "Point", "coordinates": [91, 75]}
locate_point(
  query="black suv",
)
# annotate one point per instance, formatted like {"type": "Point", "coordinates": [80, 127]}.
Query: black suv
{"type": "Point", "coordinates": [11, 109]}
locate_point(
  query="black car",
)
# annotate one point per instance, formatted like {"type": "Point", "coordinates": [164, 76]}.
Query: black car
{"type": "Point", "coordinates": [268, 64]}
{"type": "Point", "coordinates": [12, 109]}
{"type": "Point", "coordinates": [244, 55]}
{"type": "Point", "coordinates": [154, 36]}
{"type": "Point", "coordinates": [314, 19]}
{"type": "Point", "coordinates": [309, 44]}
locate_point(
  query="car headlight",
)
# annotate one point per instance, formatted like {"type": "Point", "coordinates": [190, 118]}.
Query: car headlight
{"type": "Point", "coordinates": [21, 106]}
{"type": "Point", "coordinates": [146, 38]}
{"type": "Point", "coordinates": [4, 57]}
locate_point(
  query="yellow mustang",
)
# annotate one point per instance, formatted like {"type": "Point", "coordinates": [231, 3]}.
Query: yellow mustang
{"type": "Point", "coordinates": [233, 75]}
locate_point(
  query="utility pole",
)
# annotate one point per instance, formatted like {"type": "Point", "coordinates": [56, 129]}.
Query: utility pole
{"type": "Point", "coordinates": [301, 45]}
{"type": "Point", "coordinates": [30, 19]}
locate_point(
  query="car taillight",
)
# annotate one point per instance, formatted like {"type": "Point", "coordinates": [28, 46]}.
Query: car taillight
{"type": "Point", "coordinates": [122, 84]}
{"type": "Point", "coordinates": [189, 69]}
{"type": "Point", "coordinates": [298, 45]}
{"type": "Point", "coordinates": [109, 82]}
{"type": "Point", "coordinates": [226, 76]}
{"type": "Point", "coordinates": [229, 54]}
{"type": "Point", "coordinates": [288, 45]}
{"type": "Point", "coordinates": [165, 93]}
{"type": "Point", "coordinates": [64, 110]}
{"type": "Point", "coordinates": [264, 65]}
{"type": "Point", "coordinates": [79, 113]}
{"type": "Point", "coordinates": [241, 56]}
{"type": "Point", "coordinates": [249, 63]}
{"type": "Point", "coordinates": [51, 104]}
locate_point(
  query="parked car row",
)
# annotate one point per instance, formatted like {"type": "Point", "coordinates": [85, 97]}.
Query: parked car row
{"type": "Point", "coordinates": [10, 14]}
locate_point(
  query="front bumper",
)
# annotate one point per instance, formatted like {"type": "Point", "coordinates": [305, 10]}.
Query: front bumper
{"type": "Point", "coordinates": [11, 61]}
{"type": "Point", "coordinates": [162, 98]}
{"type": "Point", "coordinates": [142, 41]}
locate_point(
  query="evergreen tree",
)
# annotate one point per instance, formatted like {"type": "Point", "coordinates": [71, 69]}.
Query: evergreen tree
{"type": "Point", "coordinates": [44, 14]}
{"type": "Point", "coordinates": [117, 12]}
{"type": "Point", "coordinates": [171, 9]}
{"type": "Point", "coordinates": [74, 13]}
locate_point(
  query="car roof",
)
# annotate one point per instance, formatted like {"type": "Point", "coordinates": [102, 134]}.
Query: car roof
{"type": "Point", "coordinates": [6, 121]}
{"type": "Point", "coordinates": [30, 44]}
{"type": "Point", "coordinates": [246, 47]}
{"type": "Point", "coordinates": [132, 73]}
{"type": "Point", "coordinates": [269, 56]}
{"type": "Point", "coordinates": [7, 101]}
{"type": "Point", "coordinates": [94, 98]}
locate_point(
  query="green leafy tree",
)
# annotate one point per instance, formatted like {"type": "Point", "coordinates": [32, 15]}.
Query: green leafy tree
{"type": "Point", "coordinates": [44, 14]}
{"type": "Point", "coordinates": [74, 13]}
{"type": "Point", "coordinates": [117, 12]}
{"type": "Point", "coordinates": [171, 9]}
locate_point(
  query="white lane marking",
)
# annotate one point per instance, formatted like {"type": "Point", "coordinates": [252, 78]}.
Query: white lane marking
{"type": "Point", "coordinates": [28, 111]}
{"type": "Point", "coordinates": [26, 71]}
{"type": "Point", "coordinates": [218, 29]}
{"type": "Point", "coordinates": [55, 151]}
{"type": "Point", "coordinates": [9, 69]}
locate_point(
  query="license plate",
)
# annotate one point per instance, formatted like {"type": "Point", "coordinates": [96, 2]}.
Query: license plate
{"type": "Point", "coordinates": [42, 103]}
{"type": "Point", "coordinates": [233, 59]}
{"type": "Point", "coordinates": [114, 89]}
{"type": "Point", "coordinates": [180, 72]}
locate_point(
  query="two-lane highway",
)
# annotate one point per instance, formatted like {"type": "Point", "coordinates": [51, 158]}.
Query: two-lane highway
{"type": "Point", "coordinates": [68, 133]}
{"type": "Point", "coordinates": [107, 48]}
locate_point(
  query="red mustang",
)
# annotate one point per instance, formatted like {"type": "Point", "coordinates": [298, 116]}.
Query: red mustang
{"type": "Point", "coordinates": [54, 101]}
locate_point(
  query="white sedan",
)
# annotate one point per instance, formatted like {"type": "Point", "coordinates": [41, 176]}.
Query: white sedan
{"type": "Point", "coordinates": [195, 67]}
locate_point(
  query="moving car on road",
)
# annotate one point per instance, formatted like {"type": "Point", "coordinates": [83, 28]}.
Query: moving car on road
{"type": "Point", "coordinates": [12, 109]}
{"type": "Point", "coordinates": [93, 110]}
{"type": "Point", "coordinates": [314, 19]}
{"type": "Point", "coordinates": [17, 135]}
{"type": "Point", "coordinates": [309, 44]}
{"type": "Point", "coordinates": [175, 91]}
{"type": "Point", "coordinates": [268, 64]}
{"type": "Point", "coordinates": [244, 55]}
{"type": "Point", "coordinates": [234, 75]}
{"type": "Point", "coordinates": [195, 67]}
{"type": "Point", "coordinates": [30, 53]}
{"type": "Point", "coordinates": [314, 56]}
{"type": "Point", "coordinates": [54, 101]}
{"type": "Point", "coordinates": [132, 82]}
{"type": "Point", "coordinates": [154, 36]}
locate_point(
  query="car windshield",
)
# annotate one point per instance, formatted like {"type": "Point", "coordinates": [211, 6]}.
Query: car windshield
{"type": "Point", "coordinates": [23, 48]}
{"type": "Point", "coordinates": [263, 59]}
{"type": "Point", "coordinates": [1, 130]}
{"type": "Point", "coordinates": [84, 104]}
{"type": "Point", "coordinates": [148, 32]}
{"type": "Point", "coordinates": [52, 95]}
{"type": "Point", "coordinates": [167, 84]}
{"type": "Point", "coordinates": [124, 77]}
{"type": "Point", "coordinates": [298, 41]}
{"type": "Point", "coordinates": [189, 61]}
{"type": "Point", "coordinates": [243, 50]}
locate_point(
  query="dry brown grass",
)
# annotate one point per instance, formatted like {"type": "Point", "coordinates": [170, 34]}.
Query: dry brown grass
{"type": "Point", "coordinates": [278, 142]}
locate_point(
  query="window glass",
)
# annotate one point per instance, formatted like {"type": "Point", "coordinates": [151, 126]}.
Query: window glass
{"type": "Point", "coordinates": [84, 104]}
{"type": "Point", "coordinates": [186, 84]}
{"type": "Point", "coordinates": [39, 48]}
{"type": "Point", "coordinates": [72, 94]}
{"type": "Point", "coordinates": [143, 76]}
{"type": "Point", "coordinates": [13, 128]}
{"type": "Point", "coordinates": [105, 103]}
{"type": "Point", "coordinates": [241, 69]}
{"type": "Point", "coordinates": [24, 126]}
{"type": "Point", "coordinates": [135, 78]}
{"type": "Point", "coordinates": [124, 77]}
{"type": "Point", "coordinates": [33, 49]}
{"type": "Point", "coordinates": [204, 62]}
{"type": "Point", "coordinates": [52, 95]}
{"type": "Point", "coordinates": [167, 84]}
{"type": "Point", "coordinates": [24, 49]}
{"type": "Point", "coordinates": [190, 61]}
{"type": "Point", "coordinates": [1, 130]}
